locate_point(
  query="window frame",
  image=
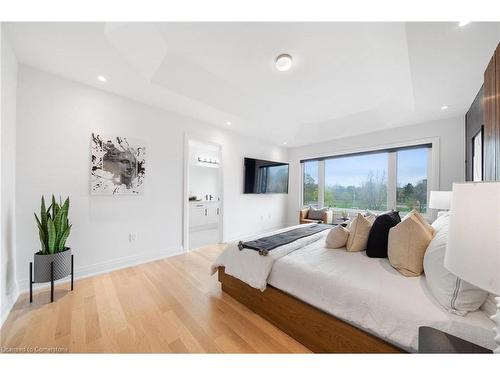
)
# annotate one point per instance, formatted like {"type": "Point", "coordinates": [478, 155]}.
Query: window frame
{"type": "Point", "coordinates": [432, 170]}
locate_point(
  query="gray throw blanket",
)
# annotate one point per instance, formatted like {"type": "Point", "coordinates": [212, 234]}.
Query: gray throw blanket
{"type": "Point", "coordinates": [265, 244]}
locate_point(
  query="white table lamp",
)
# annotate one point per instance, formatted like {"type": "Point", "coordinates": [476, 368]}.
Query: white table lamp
{"type": "Point", "coordinates": [473, 248]}
{"type": "Point", "coordinates": [440, 200]}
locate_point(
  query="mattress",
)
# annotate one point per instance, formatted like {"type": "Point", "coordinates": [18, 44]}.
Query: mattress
{"type": "Point", "coordinates": [369, 294]}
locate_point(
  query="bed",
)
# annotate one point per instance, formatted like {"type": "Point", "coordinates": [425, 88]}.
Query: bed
{"type": "Point", "coordinates": [338, 301]}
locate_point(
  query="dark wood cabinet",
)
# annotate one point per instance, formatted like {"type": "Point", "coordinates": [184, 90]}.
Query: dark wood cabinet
{"type": "Point", "coordinates": [485, 114]}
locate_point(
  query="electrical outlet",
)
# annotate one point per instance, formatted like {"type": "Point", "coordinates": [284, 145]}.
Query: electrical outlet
{"type": "Point", "coordinates": [132, 237]}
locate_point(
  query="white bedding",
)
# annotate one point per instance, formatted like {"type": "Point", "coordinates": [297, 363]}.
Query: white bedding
{"type": "Point", "coordinates": [370, 294]}
{"type": "Point", "coordinates": [252, 268]}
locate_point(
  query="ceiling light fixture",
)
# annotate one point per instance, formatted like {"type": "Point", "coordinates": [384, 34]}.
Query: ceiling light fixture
{"type": "Point", "coordinates": [102, 78]}
{"type": "Point", "coordinates": [285, 143]}
{"type": "Point", "coordinates": [283, 62]}
{"type": "Point", "coordinates": [463, 23]}
{"type": "Point", "coordinates": [228, 123]}
{"type": "Point", "coordinates": [444, 107]}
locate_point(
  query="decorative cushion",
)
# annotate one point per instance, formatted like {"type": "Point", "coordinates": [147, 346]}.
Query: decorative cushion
{"type": "Point", "coordinates": [379, 234]}
{"type": "Point", "coordinates": [359, 230]}
{"type": "Point", "coordinates": [337, 237]}
{"type": "Point", "coordinates": [490, 305]}
{"type": "Point", "coordinates": [454, 294]}
{"type": "Point", "coordinates": [441, 221]}
{"type": "Point", "coordinates": [407, 244]}
{"type": "Point", "coordinates": [315, 214]}
{"type": "Point", "coordinates": [420, 218]}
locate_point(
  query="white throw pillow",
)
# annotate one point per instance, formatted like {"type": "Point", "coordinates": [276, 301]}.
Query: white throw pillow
{"type": "Point", "coordinates": [455, 295]}
{"type": "Point", "coordinates": [490, 305]}
{"type": "Point", "coordinates": [337, 237]}
{"type": "Point", "coordinates": [441, 220]}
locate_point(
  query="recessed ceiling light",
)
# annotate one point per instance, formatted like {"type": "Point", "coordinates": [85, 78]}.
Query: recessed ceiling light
{"type": "Point", "coordinates": [283, 62]}
{"type": "Point", "coordinates": [463, 23]}
{"type": "Point", "coordinates": [444, 107]}
{"type": "Point", "coordinates": [228, 123]}
{"type": "Point", "coordinates": [102, 78]}
{"type": "Point", "coordinates": [285, 143]}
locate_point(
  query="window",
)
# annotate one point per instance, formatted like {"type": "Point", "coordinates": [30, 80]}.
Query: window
{"type": "Point", "coordinates": [378, 181]}
{"type": "Point", "coordinates": [411, 191]}
{"type": "Point", "coordinates": [357, 182]}
{"type": "Point", "coordinates": [311, 182]}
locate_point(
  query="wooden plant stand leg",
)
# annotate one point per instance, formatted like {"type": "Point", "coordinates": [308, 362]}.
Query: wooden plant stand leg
{"type": "Point", "coordinates": [72, 269]}
{"type": "Point", "coordinates": [31, 282]}
{"type": "Point", "coordinates": [51, 282]}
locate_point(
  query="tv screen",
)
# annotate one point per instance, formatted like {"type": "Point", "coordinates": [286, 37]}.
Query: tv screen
{"type": "Point", "coordinates": [265, 177]}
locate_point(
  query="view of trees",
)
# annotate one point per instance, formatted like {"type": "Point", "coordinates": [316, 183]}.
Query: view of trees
{"type": "Point", "coordinates": [310, 190]}
{"type": "Point", "coordinates": [412, 196]}
{"type": "Point", "coordinates": [371, 194]}
{"type": "Point", "coordinates": [359, 182]}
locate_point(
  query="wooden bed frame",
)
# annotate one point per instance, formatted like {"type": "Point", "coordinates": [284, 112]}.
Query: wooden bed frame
{"type": "Point", "coordinates": [315, 329]}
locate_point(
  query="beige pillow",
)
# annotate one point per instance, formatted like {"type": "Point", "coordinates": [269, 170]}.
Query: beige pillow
{"type": "Point", "coordinates": [337, 237]}
{"type": "Point", "coordinates": [407, 244]}
{"type": "Point", "coordinates": [359, 230]}
{"type": "Point", "coordinates": [420, 218]}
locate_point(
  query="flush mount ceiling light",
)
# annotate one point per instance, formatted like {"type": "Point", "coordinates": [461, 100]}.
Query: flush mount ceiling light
{"type": "Point", "coordinates": [463, 23]}
{"type": "Point", "coordinates": [283, 62]}
{"type": "Point", "coordinates": [444, 107]}
{"type": "Point", "coordinates": [102, 78]}
{"type": "Point", "coordinates": [228, 123]}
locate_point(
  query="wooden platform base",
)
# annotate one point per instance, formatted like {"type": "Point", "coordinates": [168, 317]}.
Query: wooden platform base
{"type": "Point", "coordinates": [318, 331]}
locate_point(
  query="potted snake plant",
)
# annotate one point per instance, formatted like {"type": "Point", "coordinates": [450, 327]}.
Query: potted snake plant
{"type": "Point", "coordinates": [53, 229]}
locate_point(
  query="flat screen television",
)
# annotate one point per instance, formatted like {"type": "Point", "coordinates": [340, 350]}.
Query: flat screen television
{"type": "Point", "coordinates": [265, 177]}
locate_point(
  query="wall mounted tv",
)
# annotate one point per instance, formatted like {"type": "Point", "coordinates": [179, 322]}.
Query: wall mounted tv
{"type": "Point", "coordinates": [265, 177]}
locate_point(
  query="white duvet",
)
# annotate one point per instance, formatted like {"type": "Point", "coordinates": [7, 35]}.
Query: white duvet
{"type": "Point", "coordinates": [365, 292]}
{"type": "Point", "coordinates": [254, 269]}
{"type": "Point", "coordinates": [368, 293]}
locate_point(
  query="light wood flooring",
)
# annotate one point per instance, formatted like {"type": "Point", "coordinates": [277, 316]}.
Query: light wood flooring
{"type": "Point", "coordinates": [172, 305]}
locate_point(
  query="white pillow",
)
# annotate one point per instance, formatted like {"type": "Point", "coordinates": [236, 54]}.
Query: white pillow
{"type": "Point", "coordinates": [441, 220]}
{"type": "Point", "coordinates": [337, 237]}
{"type": "Point", "coordinates": [455, 295]}
{"type": "Point", "coordinates": [490, 305]}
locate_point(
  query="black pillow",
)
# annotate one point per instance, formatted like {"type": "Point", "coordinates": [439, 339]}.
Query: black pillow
{"type": "Point", "coordinates": [379, 234]}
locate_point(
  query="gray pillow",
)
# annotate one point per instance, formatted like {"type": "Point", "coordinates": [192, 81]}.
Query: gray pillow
{"type": "Point", "coordinates": [315, 214]}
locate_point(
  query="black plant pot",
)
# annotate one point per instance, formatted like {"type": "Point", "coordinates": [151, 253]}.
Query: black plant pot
{"type": "Point", "coordinates": [62, 266]}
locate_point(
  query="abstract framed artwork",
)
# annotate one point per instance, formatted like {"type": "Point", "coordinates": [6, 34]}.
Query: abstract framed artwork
{"type": "Point", "coordinates": [117, 166]}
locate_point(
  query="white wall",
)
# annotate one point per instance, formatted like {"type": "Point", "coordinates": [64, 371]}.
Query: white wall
{"type": "Point", "coordinates": [55, 120]}
{"type": "Point", "coordinates": [8, 286]}
{"type": "Point", "coordinates": [451, 134]}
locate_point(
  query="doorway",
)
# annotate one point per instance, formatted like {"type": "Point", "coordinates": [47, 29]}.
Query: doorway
{"type": "Point", "coordinates": [203, 214]}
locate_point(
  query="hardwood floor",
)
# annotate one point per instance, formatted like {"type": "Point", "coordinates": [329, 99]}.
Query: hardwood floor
{"type": "Point", "coordinates": [167, 306]}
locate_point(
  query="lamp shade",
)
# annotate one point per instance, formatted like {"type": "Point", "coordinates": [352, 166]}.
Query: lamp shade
{"type": "Point", "coordinates": [473, 248]}
{"type": "Point", "coordinates": [440, 200]}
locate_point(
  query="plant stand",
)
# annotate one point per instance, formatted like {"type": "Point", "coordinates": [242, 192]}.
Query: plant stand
{"type": "Point", "coordinates": [51, 279]}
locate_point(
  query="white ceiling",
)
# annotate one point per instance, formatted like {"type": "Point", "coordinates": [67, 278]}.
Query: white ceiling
{"type": "Point", "coordinates": [346, 78]}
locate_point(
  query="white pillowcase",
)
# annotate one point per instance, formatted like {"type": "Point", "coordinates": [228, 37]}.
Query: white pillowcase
{"type": "Point", "coordinates": [455, 295]}
{"type": "Point", "coordinates": [441, 221]}
{"type": "Point", "coordinates": [490, 305]}
{"type": "Point", "coordinates": [337, 237]}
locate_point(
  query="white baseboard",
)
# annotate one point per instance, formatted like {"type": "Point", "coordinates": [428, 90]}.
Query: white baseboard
{"type": "Point", "coordinates": [104, 267]}
{"type": "Point", "coordinates": [8, 304]}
